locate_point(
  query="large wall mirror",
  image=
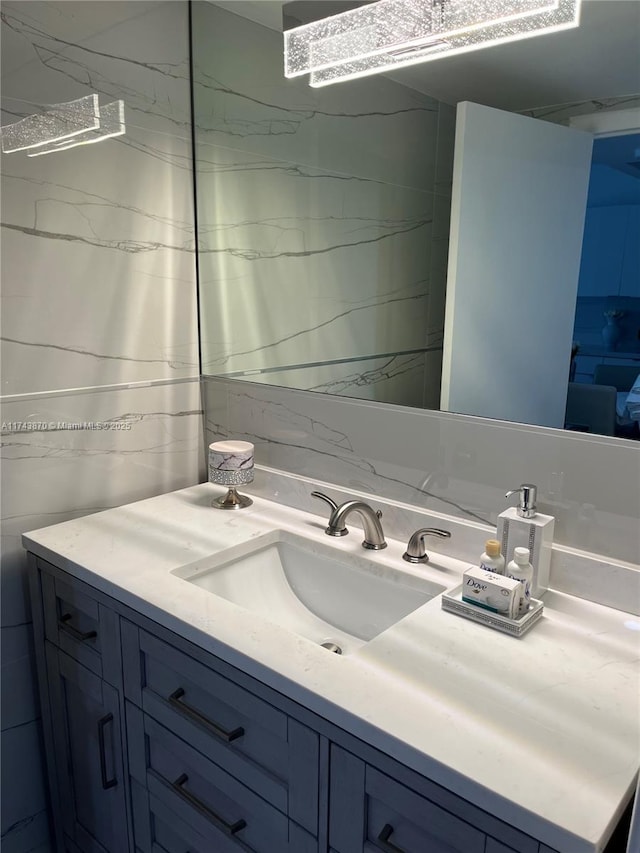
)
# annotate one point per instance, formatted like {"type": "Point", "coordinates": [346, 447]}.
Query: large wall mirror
{"type": "Point", "coordinates": [324, 214]}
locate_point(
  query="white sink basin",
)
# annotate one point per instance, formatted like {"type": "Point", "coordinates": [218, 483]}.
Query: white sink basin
{"type": "Point", "coordinates": [313, 590]}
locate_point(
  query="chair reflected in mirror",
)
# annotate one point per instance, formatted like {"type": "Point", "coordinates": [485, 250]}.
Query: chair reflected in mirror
{"type": "Point", "coordinates": [625, 378]}
{"type": "Point", "coordinates": [591, 408]}
{"type": "Point", "coordinates": [601, 408]}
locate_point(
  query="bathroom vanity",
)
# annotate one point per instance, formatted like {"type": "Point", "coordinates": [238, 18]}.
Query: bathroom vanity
{"type": "Point", "coordinates": [176, 718]}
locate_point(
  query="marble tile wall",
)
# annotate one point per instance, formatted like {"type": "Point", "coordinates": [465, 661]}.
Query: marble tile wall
{"type": "Point", "coordinates": [317, 220]}
{"type": "Point", "coordinates": [115, 218]}
{"type": "Point", "coordinates": [100, 388]}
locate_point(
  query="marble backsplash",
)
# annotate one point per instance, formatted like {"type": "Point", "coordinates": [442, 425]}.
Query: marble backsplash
{"type": "Point", "coordinates": [446, 464]}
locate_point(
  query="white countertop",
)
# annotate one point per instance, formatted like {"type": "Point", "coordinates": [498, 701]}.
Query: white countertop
{"type": "Point", "coordinates": [542, 731]}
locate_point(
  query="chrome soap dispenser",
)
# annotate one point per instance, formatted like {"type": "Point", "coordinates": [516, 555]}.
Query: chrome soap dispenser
{"type": "Point", "coordinates": [523, 526]}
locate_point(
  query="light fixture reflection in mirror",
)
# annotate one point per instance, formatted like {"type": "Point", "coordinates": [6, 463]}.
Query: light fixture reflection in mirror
{"type": "Point", "coordinates": [63, 126]}
{"type": "Point", "coordinates": [111, 124]}
{"type": "Point", "coordinates": [57, 123]}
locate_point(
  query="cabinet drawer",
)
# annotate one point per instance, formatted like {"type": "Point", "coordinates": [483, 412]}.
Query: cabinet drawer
{"type": "Point", "coordinates": [79, 625]}
{"type": "Point", "coordinates": [259, 745]}
{"type": "Point", "coordinates": [398, 818]}
{"type": "Point", "coordinates": [370, 812]}
{"type": "Point", "coordinates": [157, 830]}
{"type": "Point", "coordinates": [215, 807]}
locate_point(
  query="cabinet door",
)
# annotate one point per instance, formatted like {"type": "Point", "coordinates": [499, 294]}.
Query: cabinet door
{"type": "Point", "coordinates": [88, 756]}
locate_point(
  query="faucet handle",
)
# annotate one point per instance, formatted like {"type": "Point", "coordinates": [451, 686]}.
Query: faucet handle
{"type": "Point", "coordinates": [342, 531]}
{"type": "Point", "coordinates": [416, 552]}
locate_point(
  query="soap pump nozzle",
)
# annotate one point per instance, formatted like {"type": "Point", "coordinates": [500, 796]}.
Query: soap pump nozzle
{"type": "Point", "coordinates": [526, 499]}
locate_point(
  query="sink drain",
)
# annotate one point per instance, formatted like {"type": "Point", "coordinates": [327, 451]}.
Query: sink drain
{"type": "Point", "coordinates": [332, 647]}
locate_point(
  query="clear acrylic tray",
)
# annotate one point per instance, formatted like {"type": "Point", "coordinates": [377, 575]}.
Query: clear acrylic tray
{"type": "Point", "coordinates": [453, 603]}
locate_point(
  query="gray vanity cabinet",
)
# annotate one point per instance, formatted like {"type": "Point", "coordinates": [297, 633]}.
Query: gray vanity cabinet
{"type": "Point", "coordinates": [157, 746]}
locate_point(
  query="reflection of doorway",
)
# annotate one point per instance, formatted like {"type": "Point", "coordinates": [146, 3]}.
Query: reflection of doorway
{"type": "Point", "coordinates": [609, 284]}
{"type": "Point", "coordinates": [517, 213]}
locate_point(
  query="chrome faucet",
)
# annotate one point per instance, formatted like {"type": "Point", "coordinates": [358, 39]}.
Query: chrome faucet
{"type": "Point", "coordinates": [416, 552]}
{"type": "Point", "coordinates": [373, 534]}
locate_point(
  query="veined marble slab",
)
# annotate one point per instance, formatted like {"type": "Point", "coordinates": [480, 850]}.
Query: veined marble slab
{"type": "Point", "coordinates": [98, 271]}
{"type": "Point", "coordinates": [315, 212]}
{"type": "Point", "coordinates": [298, 265]}
{"type": "Point", "coordinates": [67, 456]}
{"type": "Point", "coordinates": [393, 378]}
{"type": "Point", "coordinates": [291, 275]}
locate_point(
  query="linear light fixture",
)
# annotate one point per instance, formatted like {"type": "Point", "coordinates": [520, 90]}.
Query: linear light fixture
{"type": "Point", "coordinates": [111, 124]}
{"type": "Point", "coordinates": [390, 34]}
{"type": "Point", "coordinates": [63, 126]}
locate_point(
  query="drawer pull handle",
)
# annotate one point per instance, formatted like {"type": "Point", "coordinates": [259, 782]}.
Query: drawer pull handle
{"type": "Point", "coordinates": [102, 724]}
{"type": "Point", "coordinates": [383, 838]}
{"type": "Point", "coordinates": [65, 624]}
{"type": "Point", "coordinates": [176, 701]}
{"type": "Point", "coordinates": [228, 828]}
